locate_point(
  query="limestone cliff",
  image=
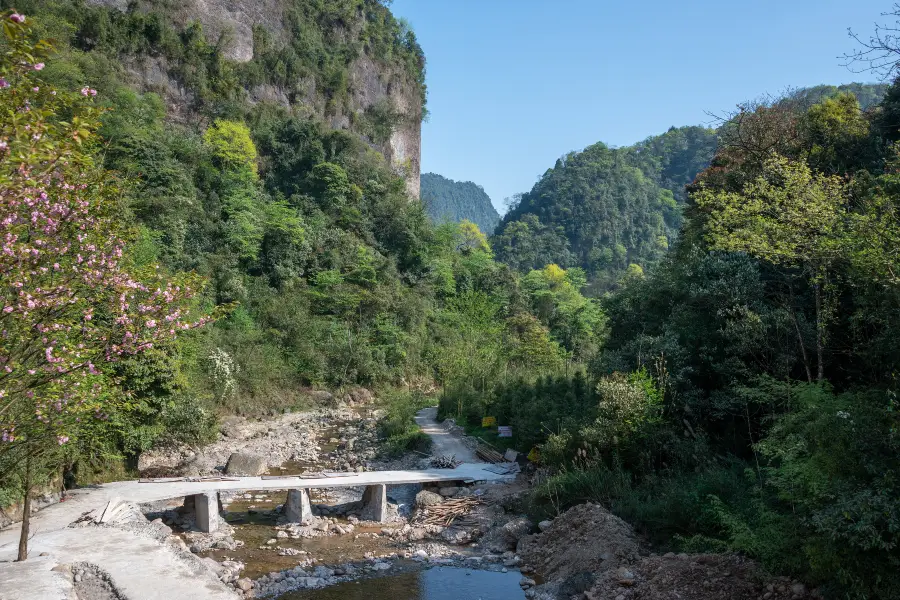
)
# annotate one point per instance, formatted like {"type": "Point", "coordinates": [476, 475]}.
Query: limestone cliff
{"type": "Point", "coordinates": [380, 95]}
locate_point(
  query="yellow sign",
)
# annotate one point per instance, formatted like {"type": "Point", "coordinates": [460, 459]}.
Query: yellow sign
{"type": "Point", "coordinates": [488, 421]}
{"type": "Point", "coordinates": [534, 456]}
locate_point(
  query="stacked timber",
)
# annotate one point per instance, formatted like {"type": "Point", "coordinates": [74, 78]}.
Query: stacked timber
{"type": "Point", "coordinates": [445, 513]}
{"type": "Point", "coordinates": [488, 454]}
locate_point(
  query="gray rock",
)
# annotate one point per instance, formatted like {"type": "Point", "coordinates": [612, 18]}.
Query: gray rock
{"type": "Point", "coordinates": [448, 492]}
{"type": "Point", "coordinates": [426, 498]}
{"type": "Point", "coordinates": [244, 584]}
{"type": "Point", "coordinates": [456, 536]}
{"type": "Point", "coordinates": [244, 463]}
{"type": "Point", "coordinates": [545, 525]}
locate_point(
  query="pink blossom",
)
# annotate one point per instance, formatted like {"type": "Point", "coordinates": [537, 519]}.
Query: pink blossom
{"type": "Point", "coordinates": [151, 323]}
{"type": "Point", "coordinates": [3, 83]}
{"type": "Point", "coordinates": [62, 439]}
{"type": "Point", "coordinates": [38, 67]}
{"type": "Point", "coordinates": [17, 18]}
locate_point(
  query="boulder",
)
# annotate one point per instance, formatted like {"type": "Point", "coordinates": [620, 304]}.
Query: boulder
{"type": "Point", "coordinates": [448, 492]}
{"type": "Point", "coordinates": [505, 537]}
{"type": "Point", "coordinates": [244, 463]}
{"type": "Point", "coordinates": [426, 498]}
{"type": "Point", "coordinates": [361, 395]}
{"type": "Point", "coordinates": [321, 397]}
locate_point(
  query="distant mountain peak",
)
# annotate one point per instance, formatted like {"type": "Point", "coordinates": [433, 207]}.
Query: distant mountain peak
{"type": "Point", "coordinates": [449, 200]}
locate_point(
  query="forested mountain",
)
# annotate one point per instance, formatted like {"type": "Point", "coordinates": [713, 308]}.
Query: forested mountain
{"type": "Point", "coordinates": [868, 95]}
{"type": "Point", "coordinates": [453, 201]}
{"type": "Point", "coordinates": [606, 209]}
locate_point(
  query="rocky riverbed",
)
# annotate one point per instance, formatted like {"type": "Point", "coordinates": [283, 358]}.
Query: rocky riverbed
{"type": "Point", "coordinates": [260, 555]}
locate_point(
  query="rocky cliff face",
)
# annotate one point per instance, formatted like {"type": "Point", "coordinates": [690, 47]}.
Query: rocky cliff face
{"type": "Point", "coordinates": [229, 24]}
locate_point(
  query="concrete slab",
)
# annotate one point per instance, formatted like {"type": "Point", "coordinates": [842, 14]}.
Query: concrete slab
{"type": "Point", "coordinates": [141, 568]}
{"type": "Point", "coordinates": [35, 578]}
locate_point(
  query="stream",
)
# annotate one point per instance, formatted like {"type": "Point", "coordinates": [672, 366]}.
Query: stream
{"type": "Point", "coordinates": [438, 583]}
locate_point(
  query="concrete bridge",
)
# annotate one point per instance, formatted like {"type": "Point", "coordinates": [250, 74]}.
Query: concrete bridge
{"type": "Point", "coordinates": [205, 493]}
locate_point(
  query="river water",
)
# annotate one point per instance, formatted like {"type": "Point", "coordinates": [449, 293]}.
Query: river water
{"type": "Point", "coordinates": [438, 583]}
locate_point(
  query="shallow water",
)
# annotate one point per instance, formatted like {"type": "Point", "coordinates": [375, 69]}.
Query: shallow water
{"type": "Point", "coordinates": [439, 583]}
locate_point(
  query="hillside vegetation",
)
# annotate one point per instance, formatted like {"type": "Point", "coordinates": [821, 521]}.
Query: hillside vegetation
{"type": "Point", "coordinates": [451, 201]}
{"type": "Point", "coordinates": [611, 211]}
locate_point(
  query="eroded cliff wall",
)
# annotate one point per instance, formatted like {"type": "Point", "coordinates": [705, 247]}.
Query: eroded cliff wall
{"type": "Point", "coordinates": [377, 90]}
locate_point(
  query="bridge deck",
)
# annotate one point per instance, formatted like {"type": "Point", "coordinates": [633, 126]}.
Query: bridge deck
{"type": "Point", "coordinates": [135, 491]}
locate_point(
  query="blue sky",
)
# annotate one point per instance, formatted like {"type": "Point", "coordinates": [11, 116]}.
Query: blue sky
{"type": "Point", "coordinates": [515, 84]}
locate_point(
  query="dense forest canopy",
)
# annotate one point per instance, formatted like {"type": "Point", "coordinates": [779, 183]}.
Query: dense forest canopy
{"type": "Point", "coordinates": [446, 200]}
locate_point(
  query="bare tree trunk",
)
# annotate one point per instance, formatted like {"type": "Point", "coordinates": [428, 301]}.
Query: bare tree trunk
{"type": "Point", "coordinates": [26, 514]}
{"type": "Point", "coordinates": [802, 347]}
{"type": "Point", "coordinates": [820, 335]}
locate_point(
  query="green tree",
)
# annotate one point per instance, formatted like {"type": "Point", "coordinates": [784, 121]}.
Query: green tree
{"type": "Point", "coordinates": [72, 300]}
{"type": "Point", "coordinates": [788, 216]}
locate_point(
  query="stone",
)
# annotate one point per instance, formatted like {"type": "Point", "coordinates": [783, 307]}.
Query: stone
{"type": "Point", "coordinates": [545, 525]}
{"type": "Point", "coordinates": [798, 589]}
{"type": "Point", "coordinates": [244, 584]}
{"type": "Point", "coordinates": [448, 492]}
{"type": "Point", "coordinates": [455, 536]}
{"type": "Point", "coordinates": [245, 463]}
{"type": "Point", "coordinates": [426, 498]}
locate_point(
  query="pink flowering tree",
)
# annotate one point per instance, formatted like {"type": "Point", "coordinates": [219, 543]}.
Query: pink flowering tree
{"type": "Point", "coordinates": [71, 302]}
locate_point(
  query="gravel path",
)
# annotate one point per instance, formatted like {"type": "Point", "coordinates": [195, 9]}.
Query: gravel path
{"type": "Point", "coordinates": [444, 441]}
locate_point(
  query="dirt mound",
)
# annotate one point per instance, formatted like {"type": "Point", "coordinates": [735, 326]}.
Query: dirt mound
{"type": "Point", "coordinates": [586, 538]}
{"type": "Point", "coordinates": [693, 577]}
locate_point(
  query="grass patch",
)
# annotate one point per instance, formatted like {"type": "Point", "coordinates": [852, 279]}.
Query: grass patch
{"type": "Point", "coordinates": [398, 427]}
{"type": "Point", "coordinates": [668, 508]}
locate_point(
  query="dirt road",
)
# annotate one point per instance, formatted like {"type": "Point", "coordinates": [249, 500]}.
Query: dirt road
{"type": "Point", "coordinates": [444, 442]}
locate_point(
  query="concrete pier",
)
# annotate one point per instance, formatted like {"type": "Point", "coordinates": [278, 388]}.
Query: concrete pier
{"type": "Point", "coordinates": [375, 503]}
{"type": "Point", "coordinates": [206, 511]}
{"type": "Point", "coordinates": [297, 508]}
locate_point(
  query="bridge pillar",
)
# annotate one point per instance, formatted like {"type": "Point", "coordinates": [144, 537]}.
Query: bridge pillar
{"type": "Point", "coordinates": [206, 511]}
{"type": "Point", "coordinates": [297, 508]}
{"type": "Point", "coordinates": [374, 503]}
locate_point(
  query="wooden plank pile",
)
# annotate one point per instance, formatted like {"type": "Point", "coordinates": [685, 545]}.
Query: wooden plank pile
{"type": "Point", "coordinates": [488, 454]}
{"type": "Point", "coordinates": [445, 513]}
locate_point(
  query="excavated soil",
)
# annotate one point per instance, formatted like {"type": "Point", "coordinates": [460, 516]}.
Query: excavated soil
{"type": "Point", "coordinates": [586, 538]}
{"type": "Point", "coordinates": [694, 577]}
